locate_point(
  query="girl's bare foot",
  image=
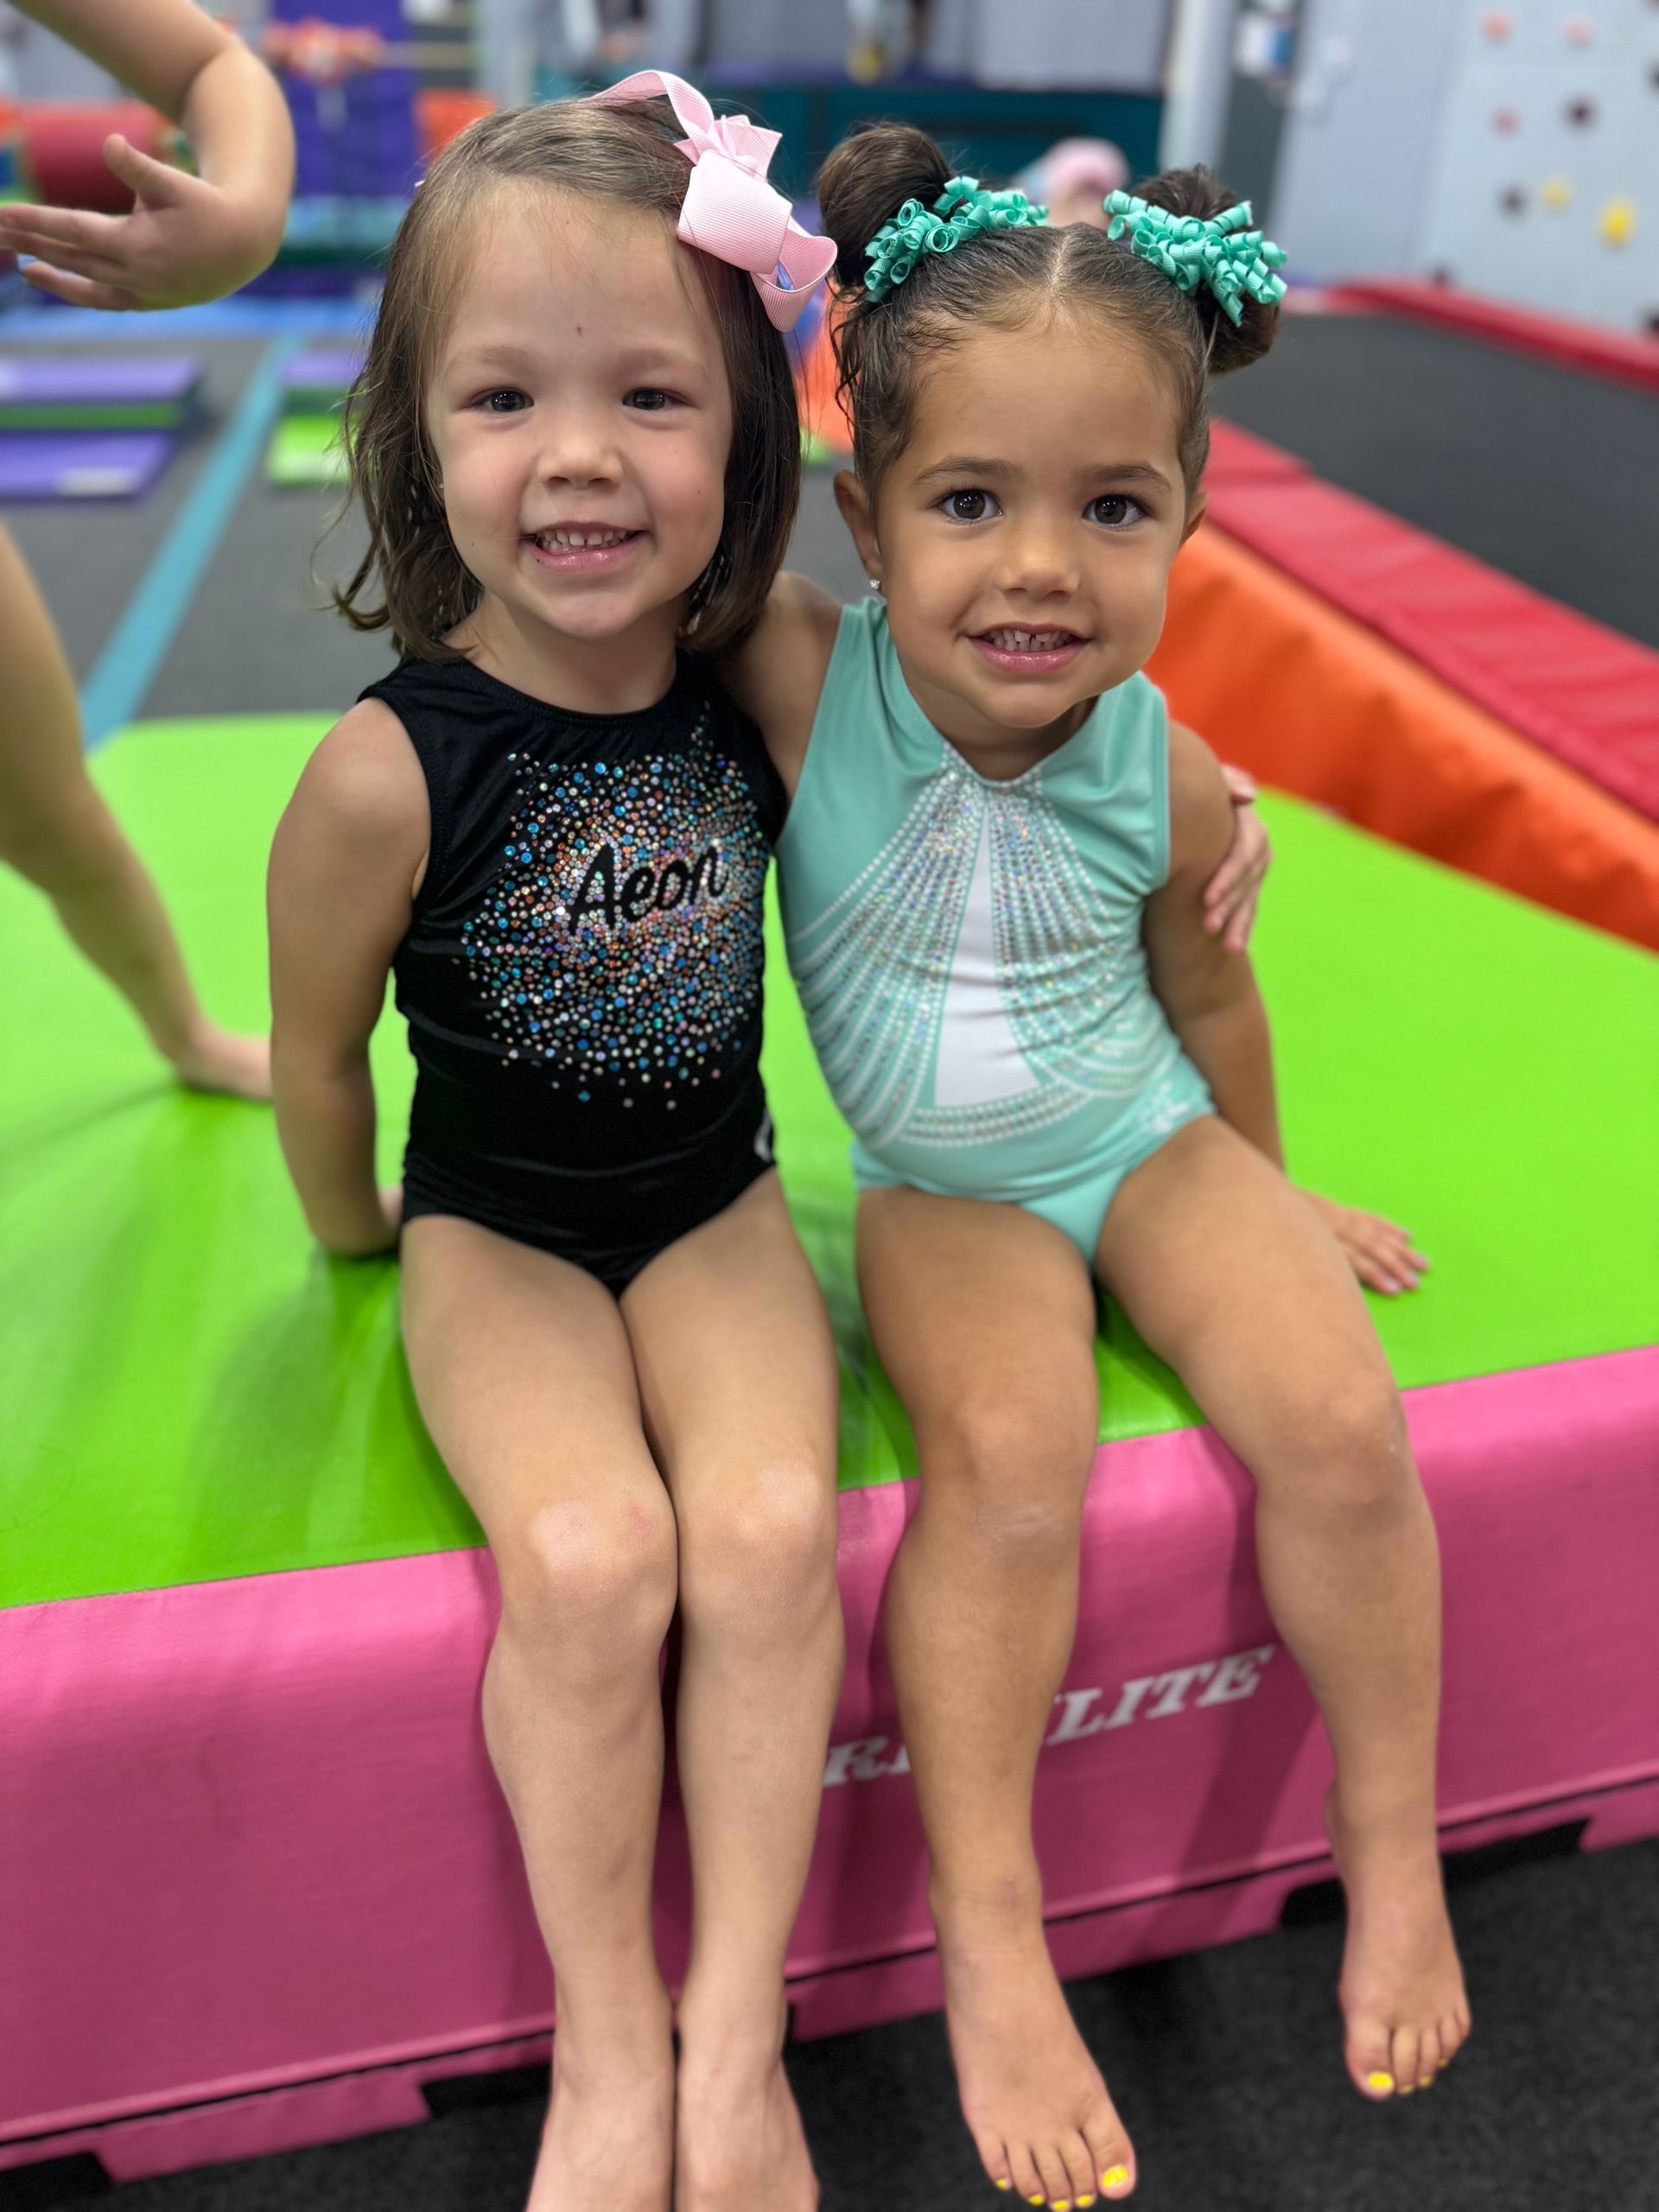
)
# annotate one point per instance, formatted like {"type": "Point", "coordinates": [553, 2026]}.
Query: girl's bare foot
{"type": "Point", "coordinates": [1032, 2097]}
{"type": "Point", "coordinates": [1402, 1990]}
{"type": "Point", "coordinates": [219, 1059]}
{"type": "Point", "coordinates": [609, 2144]}
{"type": "Point", "coordinates": [739, 2142]}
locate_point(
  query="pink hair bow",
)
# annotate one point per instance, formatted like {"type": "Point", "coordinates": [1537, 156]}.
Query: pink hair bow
{"type": "Point", "coordinates": [730, 210]}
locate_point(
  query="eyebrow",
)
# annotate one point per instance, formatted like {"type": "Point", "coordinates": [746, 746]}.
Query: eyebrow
{"type": "Point", "coordinates": [962, 464]}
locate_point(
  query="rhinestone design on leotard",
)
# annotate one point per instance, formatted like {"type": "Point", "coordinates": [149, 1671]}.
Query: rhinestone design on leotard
{"type": "Point", "coordinates": [874, 968]}
{"type": "Point", "coordinates": [610, 950]}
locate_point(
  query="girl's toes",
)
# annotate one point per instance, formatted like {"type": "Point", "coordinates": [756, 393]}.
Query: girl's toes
{"type": "Point", "coordinates": [1028, 2182]}
{"type": "Point", "coordinates": [1404, 2060]}
{"type": "Point", "coordinates": [1370, 2062]}
{"type": "Point", "coordinates": [1112, 2161]}
{"type": "Point", "coordinates": [1080, 2171]}
{"type": "Point", "coordinates": [994, 2159]}
{"type": "Point", "coordinates": [1056, 2182]}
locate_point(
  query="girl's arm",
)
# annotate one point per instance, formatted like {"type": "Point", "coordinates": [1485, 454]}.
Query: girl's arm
{"type": "Point", "coordinates": [1208, 992]}
{"type": "Point", "coordinates": [188, 237]}
{"type": "Point", "coordinates": [1215, 1008]}
{"type": "Point", "coordinates": [347, 862]}
{"type": "Point", "coordinates": [777, 674]}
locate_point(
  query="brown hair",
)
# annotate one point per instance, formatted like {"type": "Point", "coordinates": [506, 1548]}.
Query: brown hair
{"type": "Point", "coordinates": [1003, 279]}
{"type": "Point", "coordinates": [625, 152]}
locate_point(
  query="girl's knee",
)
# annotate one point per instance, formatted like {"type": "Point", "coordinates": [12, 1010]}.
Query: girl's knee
{"type": "Point", "coordinates": [761, 1551]}
{"type": "Point", "coordinates": [1012, 1471]}
{"type": "Point", "coordinates": [1346, 1448]}
{"type": "Point", "coordinates": [596, 1575]}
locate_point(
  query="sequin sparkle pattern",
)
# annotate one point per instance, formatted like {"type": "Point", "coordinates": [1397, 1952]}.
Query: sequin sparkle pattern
{"type": "Point", "coordinates": [620, 948]}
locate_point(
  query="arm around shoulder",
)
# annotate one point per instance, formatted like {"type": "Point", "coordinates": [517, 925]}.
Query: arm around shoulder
{"type": "Point", "coordinates": [777, 674]}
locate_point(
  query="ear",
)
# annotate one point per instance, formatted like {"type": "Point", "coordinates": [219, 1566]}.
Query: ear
{"type": "Point", "coordinates": [855, 511]}
{"type": "Point", "coordinates": [1194, 515]}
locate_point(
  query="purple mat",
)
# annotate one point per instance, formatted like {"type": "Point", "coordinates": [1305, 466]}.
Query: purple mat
{"type": "Point", "coordinates": [97, 379]}
{"type": "Point", "coordinates": [322, 368]}
{"type": "Point", "coordinates": [82, 464]}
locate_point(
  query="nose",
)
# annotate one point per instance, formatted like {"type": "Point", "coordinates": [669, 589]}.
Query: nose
{"type": "Point", "coordinates": [577, 449]}
{"type": "Point", "coordinates": [1037, 557]}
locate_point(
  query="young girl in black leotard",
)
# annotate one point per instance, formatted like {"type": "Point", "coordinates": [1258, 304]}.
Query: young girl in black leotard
{"type": "Point", "coordinates": [575, 442]}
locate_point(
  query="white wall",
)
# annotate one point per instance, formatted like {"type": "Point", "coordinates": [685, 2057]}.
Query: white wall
{"type": "Point", "coordinates": [1360, 138]}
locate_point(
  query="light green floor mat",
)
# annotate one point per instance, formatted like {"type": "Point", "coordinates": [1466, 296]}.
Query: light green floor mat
{"type": "Point", "coordinates": [193, 1390]}
{"type": "Point", "coordinates": [305, 449]}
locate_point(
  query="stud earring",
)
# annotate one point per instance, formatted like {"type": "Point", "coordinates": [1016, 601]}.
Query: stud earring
{"type": "Point", "coordinates": [874, 584]}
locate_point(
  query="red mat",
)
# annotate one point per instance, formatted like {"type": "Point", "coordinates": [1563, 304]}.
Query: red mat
{"type": "Point", "coordinates": [1585, 693]}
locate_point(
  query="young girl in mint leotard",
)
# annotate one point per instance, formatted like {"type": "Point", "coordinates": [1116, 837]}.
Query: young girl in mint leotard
{"type": "Point", "coordinates": [992, 876]}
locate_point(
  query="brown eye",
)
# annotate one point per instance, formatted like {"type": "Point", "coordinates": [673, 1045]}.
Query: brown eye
{"type": "Point", "coordinates": [504, 401]}
{"type": "Point", "coordinates": [968, 506]}
{"type": "Point", "coordinates": [1114, 510]}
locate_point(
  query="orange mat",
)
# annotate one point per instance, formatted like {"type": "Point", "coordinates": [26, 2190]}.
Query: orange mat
{"type": "Point", "coordinates": [1311, 702]}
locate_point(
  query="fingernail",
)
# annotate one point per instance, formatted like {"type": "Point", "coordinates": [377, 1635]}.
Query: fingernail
{"type": "Point", "coordinates": [1115, 2177]}
{"type": "Point", "coordinates": [1379, 2081]}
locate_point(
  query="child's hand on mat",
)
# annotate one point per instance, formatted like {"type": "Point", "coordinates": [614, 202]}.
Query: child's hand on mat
{"type": "Point", "coordinates": [1379, 1252]}
{"type": "Point", "coordinates": [373, 1243]}
{"type": "Point", "coordinates": [185, 240]}
{"type": "Point", "coordinates": [1231, 895]}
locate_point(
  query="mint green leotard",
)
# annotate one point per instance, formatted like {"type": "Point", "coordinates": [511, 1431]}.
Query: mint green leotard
{"type": "Point", "coordinates": [968, 952]}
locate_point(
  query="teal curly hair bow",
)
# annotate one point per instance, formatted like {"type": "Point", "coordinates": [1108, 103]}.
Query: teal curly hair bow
{"type": "Point", "coordinates": [961, 211]}
{"type": "Point", "coordinates": [1222, 252]}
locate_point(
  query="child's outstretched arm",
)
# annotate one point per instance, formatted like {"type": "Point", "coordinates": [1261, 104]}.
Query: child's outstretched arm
{"type": "Point", "coordinates": [188, 237]}
{"type": "Point", "coordinates": [345, 866]}
{"type": "Point", "coordinates": [1210, 996]}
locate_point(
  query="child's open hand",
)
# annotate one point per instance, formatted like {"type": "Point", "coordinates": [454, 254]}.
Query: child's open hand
{"type": "Point", "coordinates": [1229, 896]}
{"type": "Point", "coordinates": [185, 240]}
{"type": "Point", "coordinates": [1379, 1252]}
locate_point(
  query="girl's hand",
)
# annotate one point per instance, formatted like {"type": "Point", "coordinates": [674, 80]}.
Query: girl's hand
{"type": "Point", "coordinates": [379, 1240]}
{"type": "Point", "coordinates": [1379, 1252]}
{"type": "Point", "coordinates": [184, 241]}
{"type": "Point", "coordinates": [1230, 896]}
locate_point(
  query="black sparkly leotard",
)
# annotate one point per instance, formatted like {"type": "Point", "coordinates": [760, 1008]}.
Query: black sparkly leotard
{"type": "Point", "coordinates": [582, 975]}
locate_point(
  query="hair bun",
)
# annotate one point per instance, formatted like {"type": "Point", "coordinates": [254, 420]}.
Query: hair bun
{"type": "Point", "coordinates": [1200, 192]}
{"type": "Point", "coordinates": [864, 183]}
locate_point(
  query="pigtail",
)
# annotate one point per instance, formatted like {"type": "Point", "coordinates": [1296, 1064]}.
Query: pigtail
{"type": "Point", "coordinates": [1228, 344]}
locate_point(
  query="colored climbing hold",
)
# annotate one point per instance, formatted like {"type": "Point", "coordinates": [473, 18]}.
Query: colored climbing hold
{"type": "Point", "coordinates": [1578, 30]}
{"type": "Point", "coordinates": [1505, 119]}
{"type": "Point", "coordinates": [1496, 23]}
{"type": "Point", "coordinates": [1557, 192]}
{"type": "Point", "coordinates": [1581, 111]}
{"type": "Point", "coordinates": [1513, 201]}
{"type": "Point", "coordinates": [1617, 222]}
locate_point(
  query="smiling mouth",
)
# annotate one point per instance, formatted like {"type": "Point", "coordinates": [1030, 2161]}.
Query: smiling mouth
{"type": "Point", "coordinates": [1028, 641]}
{"type": "Point", "coordinates": [561, 540]}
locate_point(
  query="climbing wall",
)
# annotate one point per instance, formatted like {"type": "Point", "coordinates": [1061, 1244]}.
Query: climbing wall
{"type": "Point", "coordinates": [1543, 184]}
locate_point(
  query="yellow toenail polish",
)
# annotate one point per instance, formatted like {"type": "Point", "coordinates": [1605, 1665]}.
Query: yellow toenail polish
{"type": "Point", "coordinates": [1379, 2081]}
{"type": "Point", "coordinates": [1062, 2204]}
{"type": "Point", "coordinates": [1113, 2176]}
{"type": "Point", "coordinates": [1036, 2200]}
{"type": "Point", "coordinates": [1406, 2090]}
{"type": "Point", "coordinates": [1083, 2202]}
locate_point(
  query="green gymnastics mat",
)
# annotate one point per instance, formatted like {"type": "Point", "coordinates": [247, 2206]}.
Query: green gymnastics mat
{"type": "Point", "coordinates": [193, 1390]}
{"type": "Point", "coordinates": [305, 449]}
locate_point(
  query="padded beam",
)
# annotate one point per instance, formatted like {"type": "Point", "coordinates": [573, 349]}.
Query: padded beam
{"type": "Point", "coordinates": [1586, 693]}
{"type": "Point", "coordinates": [1306, 698]}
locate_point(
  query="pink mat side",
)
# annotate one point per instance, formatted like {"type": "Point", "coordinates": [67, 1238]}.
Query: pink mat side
{"type": "Point", "coordinates": [261, 1844]}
